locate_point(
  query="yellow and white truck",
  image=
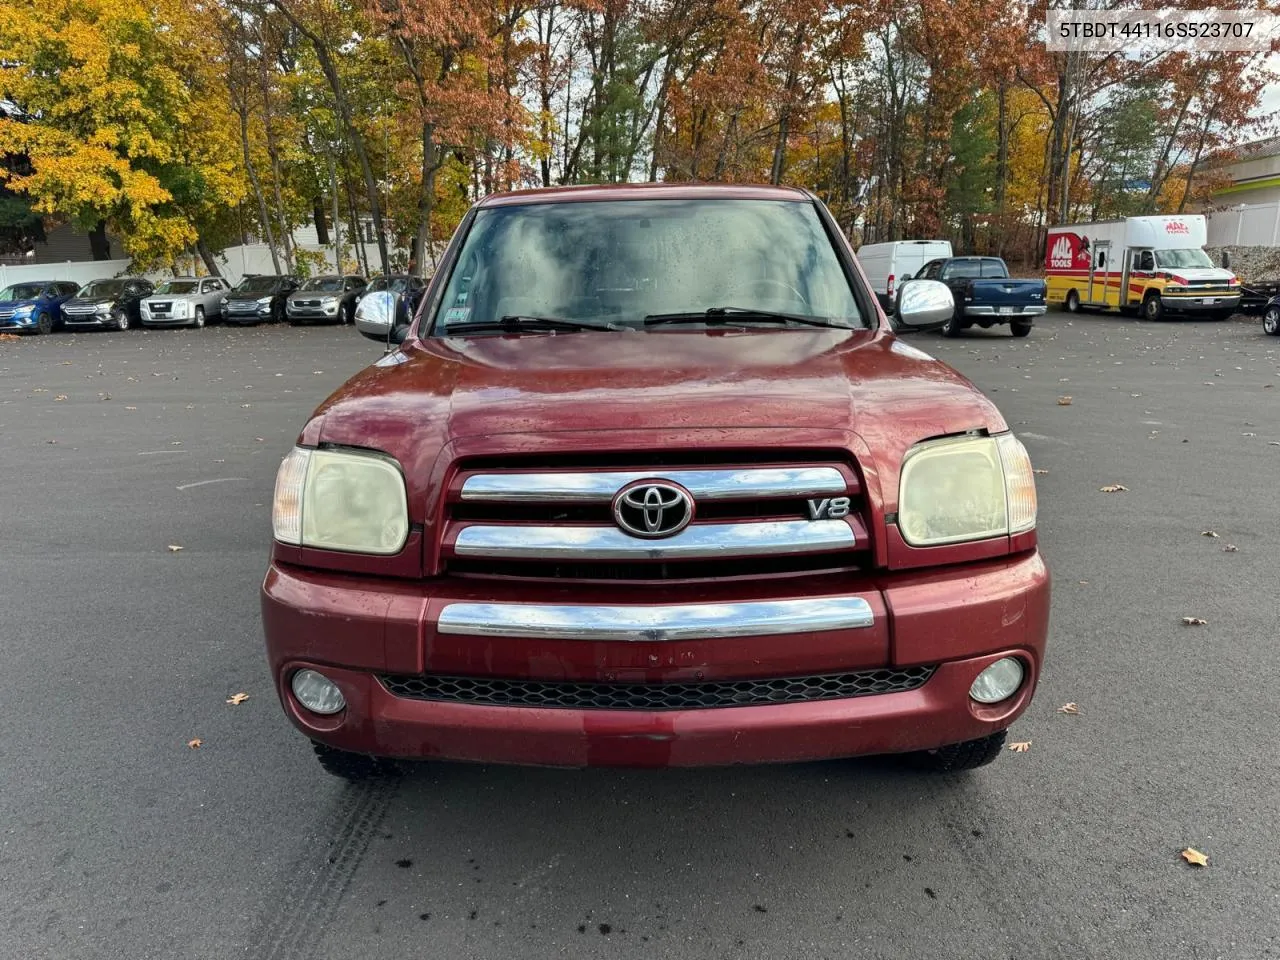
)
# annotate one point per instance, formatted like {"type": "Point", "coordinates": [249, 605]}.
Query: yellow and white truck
{"type": "Point", "coordinates": [1149, 266]}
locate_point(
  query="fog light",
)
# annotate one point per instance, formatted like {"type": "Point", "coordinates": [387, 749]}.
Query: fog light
{"type": "Point", "coordinates": [1000, 681]}
{"type": "Point", "coordinates": [317, 692]}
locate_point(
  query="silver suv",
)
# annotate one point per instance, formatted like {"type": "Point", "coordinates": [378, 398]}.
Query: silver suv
{"type": "Point", "coordinates": [184, 302]}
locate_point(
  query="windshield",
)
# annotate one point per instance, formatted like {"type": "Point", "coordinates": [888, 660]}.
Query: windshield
{"type": "Point", "coordinates": [102, 288]}
{"type": "Point", "coordinates": [618, 261]}
{"type": "Point", "coordinates": [394, 284]}
{"type": "Point", "coordinates": [1193, 257]}
{"type": "Point", "coordinates": [22, 291]}
{"type": "Point", "coordinates": [330, 284]}
{"type": "Point", "coordinates": [256, 285]}
{"type": "Point", "coordinates": [178, 286]}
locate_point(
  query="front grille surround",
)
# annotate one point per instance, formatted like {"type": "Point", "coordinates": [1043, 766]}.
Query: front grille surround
{"type": "Point", "coordinates": [701, 695]}
{"type": "Point", "coordinates": [500, 519]}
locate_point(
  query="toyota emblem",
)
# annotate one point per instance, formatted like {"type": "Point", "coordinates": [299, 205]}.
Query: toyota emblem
{"type": "Point", "coordinates": [652, 509]}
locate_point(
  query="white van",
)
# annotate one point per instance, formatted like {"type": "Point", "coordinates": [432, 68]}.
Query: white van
{"type": "Point", "coordinates": [888, 264]}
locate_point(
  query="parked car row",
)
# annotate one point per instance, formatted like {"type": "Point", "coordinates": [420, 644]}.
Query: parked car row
{"type": "Point", "coordinates": [42, 306]}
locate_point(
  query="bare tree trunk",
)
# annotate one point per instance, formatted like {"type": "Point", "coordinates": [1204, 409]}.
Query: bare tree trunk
{"type": "Point", "coordinates": [317, 216]}
{"type": "Point", "coordinates": [257, 186]}
{"type": "Point", "coordinates": [210, 261]}
{"type": "Point", "coordinates": [337, 222]}
{"type": "Point", "coordinates": [273, 151]}
{"type": "Point", "coordinates": [99, 244]}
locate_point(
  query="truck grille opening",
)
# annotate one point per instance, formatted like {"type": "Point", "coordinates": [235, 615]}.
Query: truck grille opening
{"type": "Point", "coordinates": [491, 691]}
{"type": "Point", "coordinates": [551, 518]}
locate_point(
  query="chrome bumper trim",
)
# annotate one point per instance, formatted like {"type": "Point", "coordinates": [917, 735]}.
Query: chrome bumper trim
{"type": "Point", "coordinates": [697, 621]}
{"type": "Point", "coordinates": [986, 311]}
{"type": "Point", "coordinates": [770, 538]}
{"type": "Point", "coordinates": [744, 483]}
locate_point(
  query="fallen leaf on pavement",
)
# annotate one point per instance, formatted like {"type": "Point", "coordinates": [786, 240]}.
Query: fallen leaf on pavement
{"type": "Point", "coordinates": [1042, 471]}
{"type": "Point", "coordinates": [1064, 401]}
{"type": "Point", "coordinates": [13, 337]}
{"type": "Point", "coordinates": [1114, 488]}
{"type": "Point", "coordinates": [1230, 548]}
{"type": "Point", "coordinates": [1194, 857]}
{"type": "Point", "coordinates": [237, 699]}
{"type": "Point", "coordinates": [195, 744]}
{"type": "Point", "coordinates": [1021, 747]}
{"type": "Point", "coordinates": [174, 548]}
{"type": "Point", "coordinates": [1209, 533]}
{"type": "Point", "coordinates": [64, 363]}
{"type": "Point", "coordinates": [1069, 708]}
{"type": "Point", "coordinates": [131, 408]}
{"type": "Point", "coordinates": [61, 396]}
{"type": "Point", "coordinates": [1193, 621]}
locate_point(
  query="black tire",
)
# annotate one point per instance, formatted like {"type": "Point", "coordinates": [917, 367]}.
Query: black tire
{"type": "Point", "coordinates": [960, 756]}
{"type": "Point", "coordinates": [1271, 320]}
{"type": "Point", "coordinates": [1072, 303]}
{"type": "Point", "coordinates": [344, 314]}
{"type": "Point", "coordinates": [952, 326]}
{"type": "Point", "coordinates": [198, 320]}
{"type": "Point", "coordinates": [1152, 307]}
{"type": "Point", "coordinates": [44, 323]}
{"type": "Point", "coordinates": [1019, 329]}
{"type": "Point", "coordinates": [352, 767]}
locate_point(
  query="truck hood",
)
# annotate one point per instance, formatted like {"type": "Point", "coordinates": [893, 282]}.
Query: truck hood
{"type": "Point", "coordinates": [766, 388]}
{"type": "Point", "coordinates": [1199, 273]}
{"type": "Point", "coordinates": [171, 297]}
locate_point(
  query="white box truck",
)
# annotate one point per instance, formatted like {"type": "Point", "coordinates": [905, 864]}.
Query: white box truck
{"type": "Point", "coordinates": [1150, 266]}
{"type": "Point", "coordinates": [887, 265]}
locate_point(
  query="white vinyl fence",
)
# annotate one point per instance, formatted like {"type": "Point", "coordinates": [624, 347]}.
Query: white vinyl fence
{"type": "Point", "coordinates": [81, 272]}
{"type": "Point", "coordinates": [1248, 225]}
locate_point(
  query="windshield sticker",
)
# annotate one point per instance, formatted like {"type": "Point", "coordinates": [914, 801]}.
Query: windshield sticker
{"type": "Point", "coordinates": [457, 314]}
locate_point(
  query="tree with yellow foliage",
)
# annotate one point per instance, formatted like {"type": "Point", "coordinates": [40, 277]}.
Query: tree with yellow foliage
{"type": "Point", "coordinates": [127, 126]}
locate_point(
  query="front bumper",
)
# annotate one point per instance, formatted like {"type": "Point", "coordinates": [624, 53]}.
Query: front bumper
{"type": "Point", "coordinates": [357, 629]}
{"type": "Point", "coordinates": [1191, 304]}
{"type": "Point", "coordinates": [18, 323]}
{"type": "Point", "coordinates": [311, 313]}
{"type": "Point", "coordinates": [166, 320]}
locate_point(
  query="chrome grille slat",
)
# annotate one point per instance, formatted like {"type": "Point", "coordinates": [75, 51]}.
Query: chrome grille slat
{"type": "Point", "coordinates": [708, 484]}
{"type": "Point", "coordinates": [646, 623]}
{"type": "Point", "coordinates": [700, 541]}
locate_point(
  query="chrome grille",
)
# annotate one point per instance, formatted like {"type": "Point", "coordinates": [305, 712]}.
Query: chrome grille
{"type": "Point", "coordinates": [543, 521]}
{"type": "Point", "coordinates": [490, 691]}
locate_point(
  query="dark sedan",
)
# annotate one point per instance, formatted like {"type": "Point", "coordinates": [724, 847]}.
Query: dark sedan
{"type": "Point", "coordinates": [329, 299]}
{"type": "Point", "coordinates": [258, 298]}
{"type": "Point", "coordinates": [107, 304]}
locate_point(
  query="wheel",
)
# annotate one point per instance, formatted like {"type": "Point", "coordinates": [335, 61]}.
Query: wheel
{"type": "Point", "coordinates": [1152, 308]}
{"type": "Point", "coordinates": [344, 314]}
{"type": "Point", "coordinates": [353, 767]}
{"type": "Point", "coordinates": [960, 756]}
{"type": "Point", "coordinates": [198, 322]}
{"type": "Point", "coordinates": [1072, 303]}
{"type": "Point", "coordinates": [44, 323]}
{"type": "Point", "coordinates": [1271, 321]}
{"type": "Point", "coordinates": [952, 327]}
{"type": "Point", "coordinates": [1019, 329]}
{"type": "Point", "coordinates": [122, 319]}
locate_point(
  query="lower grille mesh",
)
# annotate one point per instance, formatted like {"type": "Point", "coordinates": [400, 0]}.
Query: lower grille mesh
{"type": "Point", "coordinates": [656, 696]}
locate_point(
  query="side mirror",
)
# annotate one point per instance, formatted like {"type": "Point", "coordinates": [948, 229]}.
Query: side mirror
{"type": "Point", "coordinates": [376, 315]}
{"type": "Point", "coordinates": [924, 303]}
{"type": "Point", "coordinates": [1226, 259]}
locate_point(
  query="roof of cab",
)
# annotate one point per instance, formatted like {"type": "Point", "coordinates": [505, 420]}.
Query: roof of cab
{"type": "Point", "coordinates": [647, 191]}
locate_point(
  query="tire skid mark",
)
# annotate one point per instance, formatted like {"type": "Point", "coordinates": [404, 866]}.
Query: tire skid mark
{"type": "Point", "coordinates": [302, 907]}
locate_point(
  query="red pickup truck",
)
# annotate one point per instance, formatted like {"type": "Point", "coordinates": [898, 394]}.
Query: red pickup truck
{"type": "Point", "coordinates": [649, 481]}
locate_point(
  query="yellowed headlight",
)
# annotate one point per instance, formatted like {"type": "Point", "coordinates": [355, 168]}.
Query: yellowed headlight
{"type": "Point", "coordinates": [341, 500]}
{"type": "Point", "coordinates": [966, 488]}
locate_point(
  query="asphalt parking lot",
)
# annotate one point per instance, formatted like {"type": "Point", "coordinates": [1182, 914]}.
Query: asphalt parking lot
{"type": "Point", "coordinates": [118, 840]}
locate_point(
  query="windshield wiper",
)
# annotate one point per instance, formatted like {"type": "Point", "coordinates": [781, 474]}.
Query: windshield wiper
{"type": "Point", "coordinates": [513, 322]}
{"type": "Point", "coordinates": [719, 315]}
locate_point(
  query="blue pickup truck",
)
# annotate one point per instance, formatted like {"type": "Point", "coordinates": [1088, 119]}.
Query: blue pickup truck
{"type": "Point", "coordinates": [985, 294]}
